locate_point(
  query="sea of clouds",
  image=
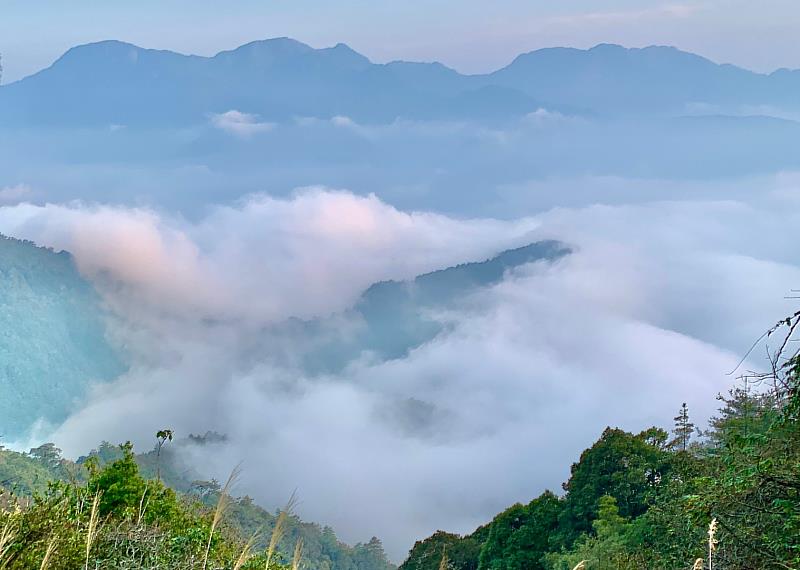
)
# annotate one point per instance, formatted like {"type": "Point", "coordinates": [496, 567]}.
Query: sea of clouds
{"type": "Point", "coordinates": [655, 306]}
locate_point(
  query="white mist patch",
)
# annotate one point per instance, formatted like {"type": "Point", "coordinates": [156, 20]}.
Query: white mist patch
{"type": "Point", "coordinates": [14, 194]}
{"type": "Point", "coordinates": [656, 304]}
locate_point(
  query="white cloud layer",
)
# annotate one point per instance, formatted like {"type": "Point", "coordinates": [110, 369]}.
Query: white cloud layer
{"type": "Point", "coordinates": [240, 124]}
{"type": "Point", "coordinates": [264, 260]}
{"type": "Point", "coordinates": [655, 305]}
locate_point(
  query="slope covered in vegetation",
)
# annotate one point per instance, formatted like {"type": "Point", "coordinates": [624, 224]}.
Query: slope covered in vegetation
{"type": "Point", "coordinates": [152, 513]}
{"type": "Point", "coordinates": [52, 336]}
{"type": "Point", "coordinates": [728, 495]}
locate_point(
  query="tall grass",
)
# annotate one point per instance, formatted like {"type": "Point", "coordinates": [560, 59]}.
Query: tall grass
{"type": "Point", "coordinates": [223, 503]}
{"type": "Point", "coordinates": [246, 550]}
{"type": "Point", "coordinates": [712, 542]}
{"type": "Point", "coordinates": [298, 554]}
{"type": "Point", "coordinates": [7, 536]}
{"type": "Point", "coordinates": [48, 553]}
{"type": "Point", "coordinates": [279, 530]}
{"type": "Point", "coordinates": [94, 526]}
{"type": "Point", "coordinates": [444, 563]}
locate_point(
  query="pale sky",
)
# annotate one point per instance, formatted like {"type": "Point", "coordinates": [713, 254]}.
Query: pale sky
{"type": "Point", "coordinates": [470, 35]}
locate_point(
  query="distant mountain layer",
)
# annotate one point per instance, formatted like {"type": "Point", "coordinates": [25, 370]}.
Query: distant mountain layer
{"type": "Point", "coordinates": [394, 317]}
{"type": "Point", "coordinates": [114, 83]}
{"type": "Point", "coordinates": [52, 337]}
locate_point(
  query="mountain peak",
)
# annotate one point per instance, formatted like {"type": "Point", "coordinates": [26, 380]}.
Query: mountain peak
{"type": "Point", "coordinates": [276, 50]}
{"type": "Point", "coordinates": [267, 48]}
{"type": "Point", "coordinates": [606, 47]}
{"type": "Point", "coordinates": [343, 52]}
{"type": "Point", "coordinates": [105, 49]}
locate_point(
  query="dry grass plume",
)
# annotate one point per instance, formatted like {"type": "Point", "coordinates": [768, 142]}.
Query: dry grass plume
{"type": "Point", "coordinates": [223, 503]}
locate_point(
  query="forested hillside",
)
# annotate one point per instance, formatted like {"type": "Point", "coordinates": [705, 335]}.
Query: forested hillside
{"type": "Point", "coordinates": [395, 317]}
{"type": "Point", "coordinates": [727, 495]}
{"type": "Point", "coordinates": [155, 513]}
{"type": "Point", "coordinates": [52, 336]}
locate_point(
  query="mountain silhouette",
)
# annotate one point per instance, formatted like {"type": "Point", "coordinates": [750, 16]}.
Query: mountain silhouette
{"type": "Point", "coordinates": [116, 83]}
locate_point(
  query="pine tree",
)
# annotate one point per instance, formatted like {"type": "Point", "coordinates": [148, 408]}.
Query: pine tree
{"type": "Point", "coordinates": [683, 429]}
{"type": "Point", "coordinates": [743, 412]}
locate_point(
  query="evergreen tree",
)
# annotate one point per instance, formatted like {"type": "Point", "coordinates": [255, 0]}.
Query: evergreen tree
{"type": "Point", "coordinates": [683, 429]}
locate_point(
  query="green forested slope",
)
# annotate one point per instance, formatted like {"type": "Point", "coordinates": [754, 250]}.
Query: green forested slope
{"type": "Point", "coordinates": [52, 337]}
{"type": "Point", "coordinates": [23, 475]}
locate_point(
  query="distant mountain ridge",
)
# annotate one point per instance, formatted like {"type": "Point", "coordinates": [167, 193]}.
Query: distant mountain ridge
{"type": "Point", "coordinates": [280, 79]}
{"type": "Point", "coordinates": [395, 317]}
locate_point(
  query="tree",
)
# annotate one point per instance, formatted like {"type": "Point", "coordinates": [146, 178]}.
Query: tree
{"type": "Point", "coordinates": [124, 491]}
{"type": "Point", "coordinates": [205, 489]}
{"type": "Point", "coordinates": [609, 522]}
{"type": "Point", "coordinates": [461, 552]}
{"type": "Point", "coordinates": [606, 549]}
{"type": "Point", "coordinates": [625, 466]}
{"type": "Point", "coordinates": [743, 413]}
{"type": "Point", "coordinates": [683, 429]}
{"type": "Point", "coordinates": [519, 536]}
{"type": "Point", "coordinates": [162, 436]}
{"type": "Point", "coordinates": [48, 454]}
{"type": "Point", "coordinates": [656, 437]}
{"type": "Point", "coordinates": [370, 556]}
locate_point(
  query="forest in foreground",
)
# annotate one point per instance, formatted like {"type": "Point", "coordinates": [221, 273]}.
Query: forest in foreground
{"type": "Point", "coordinates": [117, 509]}
{"type": "Point", "coordinates": [725, 497]}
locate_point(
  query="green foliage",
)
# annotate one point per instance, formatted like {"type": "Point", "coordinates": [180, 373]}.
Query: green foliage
{"type": "Point", "coordinates": [752, 486]}
{"type": "Point", "coordinates": [144, 523]}
{"type": "Point", "coordinates": [607, 549]}
{"type": "Point", "coordinates": [126, 493]}
{"type": "Point", "coordinates": [519, 537]}
{"type": "Point", "coordinates": [23, 475]}
{"type": "Point", "coordinates": [54, 341]}
{"type": "Point", "coordinates": [139, 524]}
{"type": "Point", "coordinates": [625, 466]}
{"type": "Point", "coordinates": [462, 552]}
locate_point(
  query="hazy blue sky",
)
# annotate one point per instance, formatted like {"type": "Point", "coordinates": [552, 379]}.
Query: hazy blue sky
{"type": "Point", "coordinates": [470, 35]}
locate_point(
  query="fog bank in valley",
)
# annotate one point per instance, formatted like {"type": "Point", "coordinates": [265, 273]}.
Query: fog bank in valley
{"type": "Point", "coordinates": [656, 303]}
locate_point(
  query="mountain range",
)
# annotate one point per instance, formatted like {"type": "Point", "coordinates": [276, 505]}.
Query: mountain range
{"type": "Point", "coordinates": [116, 83]}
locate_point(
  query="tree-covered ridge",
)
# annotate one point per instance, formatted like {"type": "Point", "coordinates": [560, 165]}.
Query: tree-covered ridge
{"type": "Point", "coordinates": [52, 336]}
{"type": "Point", "coordinates": [728, 495]}
{"type": "Point", "coordinates": [395, 317]}
{"type": "Point", "coordinates": [44, 476]}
